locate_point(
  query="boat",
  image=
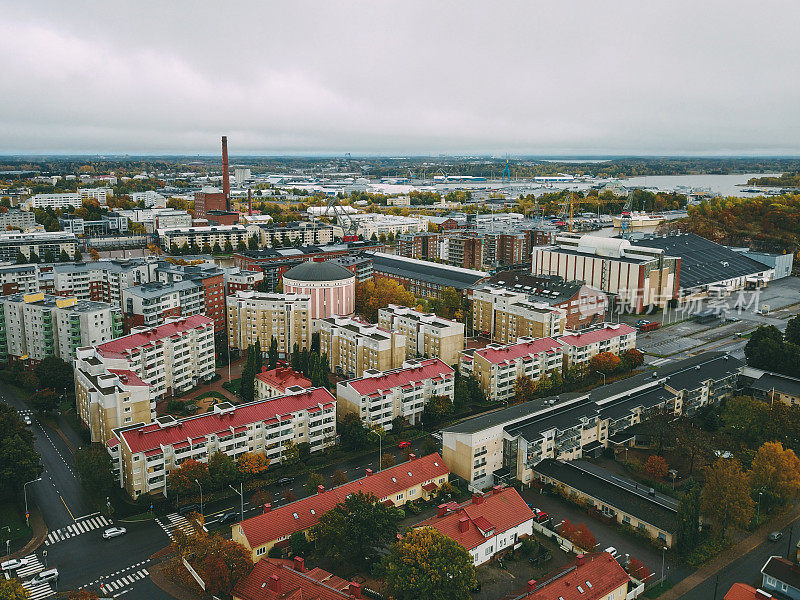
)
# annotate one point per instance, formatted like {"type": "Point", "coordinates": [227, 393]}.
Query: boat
{"type": "Point", "coordinates": [628, 220]}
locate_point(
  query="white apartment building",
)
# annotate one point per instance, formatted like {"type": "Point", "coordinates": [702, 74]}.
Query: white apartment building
{"type": "Point", "coordinates": [19, 279]}
{"type": "Point", "coordinates": [35, 326]}
{"type": "Point", "coordinates": [149, 197]}
{"type": "Point", "coordinates": [11, 244]}
{"type": "Point", "coordinates": [172, 239]}
{"type": "Point", "coordinates": [377, 224]}
{"type": "Point", "coordinates": [581, 346]}
{"type": "Point", "coordinates": [353, 346]}
{"type": "Point", "coordinates": [73, 199]}
{"type": "Point", "coordinates": [102, 280]}
{"type": "Point", "coordinates": [144, 454]}
{"type": "Point", "coordinates": [101, 194]}
{"type": "Point", "coordinates": [426, 334]}
{"type": "Point", "coordinates": [158, 218]}
{"type": "Point", "coordinates": [300, 233]}
{"type": "Point", "coordinates": [380, 396]}
{"type": "Point", "coordinates": [263, 316]}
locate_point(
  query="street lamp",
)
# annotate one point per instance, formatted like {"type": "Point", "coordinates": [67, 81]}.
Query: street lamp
{"type": "Point", "coordinates": [201, 496]}
{"type": "Point", "coordinates": [663, 552]}
{"type": "Point", "coordinates": [603, 374]}
{"type": "Point", "coordinates": [25, 492]}
{"type": "Point", "coordinates": [758, 506]}
{"type": "Point", "coordinates": [241, 495]}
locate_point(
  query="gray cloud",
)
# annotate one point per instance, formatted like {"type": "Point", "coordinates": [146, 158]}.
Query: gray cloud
{"type": "Point", "coordinates": [537, 77]}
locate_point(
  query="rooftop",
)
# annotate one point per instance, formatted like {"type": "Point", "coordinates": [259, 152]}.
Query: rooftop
{"type": "Point", "coordinates": [494, 354]}
{"type": "Point", "coordinates": [424, 369]}
{"type": "Point", "coordinates": [276, 579]}
{"type": "Point", "coordinates": [783, 570]}
{"type": "Point", "coordinates": [605, 332]}
{"type": "Point", "coordinates": [281, 378]}
{"type": "Point", "coordinates": [156, 289]}
{"type": "Point", "coordinates": [318, 271]}
{"type": "Point", "coordinates": [129, 342]}
{"type": "Point", "coordinates": [444, 275]}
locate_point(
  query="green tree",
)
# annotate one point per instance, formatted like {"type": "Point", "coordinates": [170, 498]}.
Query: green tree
{"type": "Point", "coordinates": [303, 451]}
{"type": "Point", "coordinates": [273, 352]}
{"type": "Point", "coordinates": [688, 522]}
{"type": "Point", "coordinates": [427, 564]}
{"type": "Point", "coordinates": [764, 349]}
{"type": "Point", "coordinates": [291, 455]}
{"type": "Point", "coordinates": [228, 248]}
{"type": "Point", "coordinates": [33, 257]}
{"type": "Point", "coordinates": [57, 373]}
{"type": "Point", "coordinates": [20, 460]}
{"type": "Point", "coordinates": [49, 257]}
{"type": "Point", "coordinates": [296, 366]}
{"type": "Point", "coordinates": [206, 249]}
{"type": "Point", "coordinates": [21, 260]}
{"type": "Point", "coordinates": [247, 383]}
{"type": "Point", "coordinates": [355, 530]}
{"type": "Point", "coordinates": [353, 433]}
{"type": "Point", "coordinates": [93, 465]}
{"type": "Point", "coordinates": [44, 400]}
{"type": "Point", "coordinates": [792, 334]}
{"type": "Point", "coordinates": [78, 256]}
{"type": "Point", "coordinates": [222, 470]}
{"type": "Point", "coordinates": [258, 357]}
{"type": "Point", "coordinates": [438, 409]}
{"type": "Point", "coordinates": [299, 544]}
{"type": "Point", "coordinates": [314, 481]}
{"type": "Point", "coordinates": [63, 257]}
{"type": "Point", "coordinates": [339, 477]}
{"type": "Point", "coordinates": [252, 243]}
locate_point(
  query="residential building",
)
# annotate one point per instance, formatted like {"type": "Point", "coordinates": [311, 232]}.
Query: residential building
{"type": "Point", "coordinates": [207, 275]}
{"type": "Point", "coordinates": [377, 224]}
{"type": "Point", "coordinates": [505, 248]}
{"type": "Point", "coordinates": [146, 453]}
{"type": "Point", "coordinates": [36, 326]}
{"type": "Point", "coordinates": [279, 382]}
{"type": "Point", "coordinates": [769, 386]}
{"type": "Point", "coordinates": [485, 526]}
{"type": "Point", "coordinates": [423, 245]}
{"type": "Point", "coordinates": [17, 219]}
{"type": "Point", "coordinates": [423, 278]}
{"type": "Point", "coordinates": [615, 497]}
{"type": "Point", "coordinates": [782, 576]}
{"type": "Point", "coordinates": [353, 346]}
{"type": "Point", "coordinates": [261, 316]}
{"type": "Point", "coordinates": [742, 591]}
{"type": "Point", "coordinates": [150, 304]}
{"type": "Point", "coordinates": [426, 334]}
{"type": "Point", "coordinates": [379, 397]}
{"type": "Point", "coordinates": [462, 250]}
{"type": "Point", "coordinates": [418, 478]}
{"type": "Point", "coordinates": [62, 201]}
{"type": "Point", "coordinates": [150, 198]}
{"type": "Point", "coordinates": [331, 287]}
{"type": "Point", "coordinates": [277, 579]}
{"type": "Point", "coordinates": [504, 316]}
{"type": "Point", "coordinates": [360, 266]}
{"type": "Point", "coordinates": [19, 279]}
{"type": "Point", "coordinates": [102, 280]}
{"type": "Point", "coordinates": [100, 194]}
{"type": "Point", "coordinates": [589, 577]}
{"type": "Point", "coordinates": [38, 242]}
{"type": "Point", "coordinates": [240, 280]}
{"type": "Point", "coordinates": [257, 260]}
{"type": "Point", "coordinates": [497, 367]}
{"type": "Point", "coordinates": [579, 347]}
{"type": "Point", "coordinates": [506, 444]}
{"type": "Point", "coordinates": [241, 175]}
{"type": "Point", "coordinates": [154, 219]}
{"type": "Point", "coordinates": [298, 233]}
{"type": "Point", "coordinates": [106, 225]}
{"type": "Point", "coordinates": [198, 237]}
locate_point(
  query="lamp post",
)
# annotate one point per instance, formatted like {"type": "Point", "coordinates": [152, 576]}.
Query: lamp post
{"type": "Point", "coordinates": [663, 553]}
{"type": "Point", "coordinates": [603, 374]}
{"type": "Point", "coordinates": [241, 495]}
{"type": "Point", "coordinates": [201, 496]}
{"type": "Point", "coordinates": [25, 492]}
{"type": "Point", "coordinates": [758, 506]}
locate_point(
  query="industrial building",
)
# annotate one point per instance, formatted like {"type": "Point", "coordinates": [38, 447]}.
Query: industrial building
{"type": "Point", "coordinates": [423, 278]}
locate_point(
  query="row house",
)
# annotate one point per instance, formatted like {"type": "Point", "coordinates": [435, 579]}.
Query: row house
{"type": "Point", "coordinates": [263, 316]}
{"type": "Point", "coordinates": [426, 334]}
{"type": "Point", "coordinates": [353, 346]}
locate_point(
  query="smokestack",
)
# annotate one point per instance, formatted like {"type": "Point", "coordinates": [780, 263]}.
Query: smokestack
{"type": "Point", "coordinates": [249, 203]}
{"type": "Point", "coordinates": [226, 184]}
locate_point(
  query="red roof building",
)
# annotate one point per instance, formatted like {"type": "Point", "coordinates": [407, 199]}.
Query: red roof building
{"type": "Point", "coordinates": [742, 591]}
{"type": "Point", "coordinates": [615, 338]}
{"type": "Point", "coordinates": [275, 579]}
{"type": "Point", "coordinates": [396, 485]}
{"type": "Point", "coordinates": [486, 525]}
{"type": "Point", "coordinates": [276, 381]}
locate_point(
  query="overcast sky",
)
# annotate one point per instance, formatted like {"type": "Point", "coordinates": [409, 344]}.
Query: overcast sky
{"type": "Point", "coordinates": [534, 77]}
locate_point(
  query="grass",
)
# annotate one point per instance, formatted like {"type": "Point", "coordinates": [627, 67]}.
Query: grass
{"type": "Point", "coordinates": [233, 385]}
{"type": "Point", "coordinates": [12, 523]}
{"type": "Point", "coordinates": [657, 590]}
{"type": "Point", "coordinates": [212, 394]}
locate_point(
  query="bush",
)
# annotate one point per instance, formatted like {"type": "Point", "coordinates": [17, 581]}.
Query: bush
{"type": "Point", "coordinates": [175, 406]}
{"type": "Point", "coordinates": [706, 551]}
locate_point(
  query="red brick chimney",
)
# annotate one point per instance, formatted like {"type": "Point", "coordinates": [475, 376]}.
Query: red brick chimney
{"type": "Point", "coordinates": [226, 184]}
{"type": "Point", "coordinates": [477, 498]}
{"type": "Point", "coordinates": [320, 489]}
{"type": "Point", "coordinates": [579, 560]}
{"type": "Point", "coordinates": [249, 203]}
{"type": "Point", "coordinates": [355, 589]}
{"type": "Point", "coordinates": [299, 564]}
{"type": "Point", "coordinates": [497, 489]}
{"type": "Point", "coordinates": [441, 510]}
{"type": "Point", "coordinates": [369, 472]}
{"type": "Point", "coordinates": [463, 524]}
{"type": "Point", "coordinates": [267, 507]}
{"type": "Point", "coordinates": [274, 584]}
{"type": "Point", "coordinates": [531, 585]}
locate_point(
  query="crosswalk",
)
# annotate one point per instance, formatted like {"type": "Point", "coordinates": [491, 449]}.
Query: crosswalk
{"type": "Point", "coordinates": [24, 411]}
{"type": "Point", "coordinates": [660, 361]}
{"type": "Point", "coordinates": [36, 592]}
{"type": "Point", "coordinates": [175, 521]}
{"type": "Point", "coordinates": [29, 570]}
{"type": "Point", "coordinates": [81, 526]}
{"type": "Point", "coordinates": [120, 580]}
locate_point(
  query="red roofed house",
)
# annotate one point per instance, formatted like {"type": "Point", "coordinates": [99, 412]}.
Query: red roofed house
{"type": "Point", "coordinates": [381, 396]}
{"type": "Point", "coordinates": [590, 577]}
{"type": "Point", "coordinates": [742, 591]}
{"type": "Point", "coordinates": [417, 478]}
{"type": "Point", "coordinates": [488, 524]}
{"type": "Point", "coordinates": [277, 381]}
{"type": "Point", "coordinates": [581, 346]}
{"type": "Point", "coordinates": [146, 453]}
{"type": "Point", "coordinates": [275, 579]}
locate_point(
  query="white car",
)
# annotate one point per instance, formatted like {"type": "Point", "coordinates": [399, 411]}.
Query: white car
{"type": "Point", "coordinates": [612, 551]}
{"type": "Point", "coordinates": [113, 532]}
{"type": "Point", "coordinates": [27, 420]}
{"type": "Point", "coordinates": [44, 577]}
{"type": "Point", "coordinates": [13, 564]}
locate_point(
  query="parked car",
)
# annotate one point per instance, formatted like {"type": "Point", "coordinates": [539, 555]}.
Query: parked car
{"type": "Point", "coordinates": [285, 480]}
{"type": "Point", "coordinates": [45, 576]}
{"type": "Point", "coordinates": [13, 564]}
{"type": "Point", "coordinates": [27, 420]}
{"type": "Point", "coordinates": [229, 517]}
{"type": "Point", "coordinates": [539, 515]}
{"type": "Point", "coordinates": [775, 536]}
{"type": "Point", "coordinates": [188, 509]}
{"type": "Point", "coordinates": [113, 532]}
{"type": "Point", "coordinates": [404, 444]}
{"type": "Point", "coordinates": [612, 551]}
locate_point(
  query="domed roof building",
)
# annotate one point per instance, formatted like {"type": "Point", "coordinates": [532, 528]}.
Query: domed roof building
{"type": "Point", "coordinates": [332, 287]}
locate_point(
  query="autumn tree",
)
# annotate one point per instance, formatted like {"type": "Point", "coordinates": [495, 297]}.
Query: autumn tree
{"type": "Point", "coordinates": [437, 409]}
{"type": "Point", "coordinates": [251, 464]}
{"type": "Point", "coordinates": [44, 400]}
{"type": "Point", "coordinates": [387, 460]}
{"type": "Point", "coordinates": [314, 481]}
{"type": "Point", "coordinates": [379, 293]}
{"type": "Point", "coordinates": [221, 563]}
{"type": "Point", "coordinates": [584, 538]}
{"type": "Point", "coordinates": [182, 479]}
{"type": "Point", "coordinates": [524, 389]}
{"type": "Point", "coordinates": [725, 497]}
{"type": "Point", "coordinates": [693, 443]}
{"type": "Point", "coordinates": [80, 595]}
{"type": "Point", "coordinates": [776, 470]}
{"type": "Point", "coordinates": [656, 467]}
{"type": "Point", "coordinates": [93, 254]}
{"type": "Point", "coordinates": [426, 564]}
{"type": "Point", "coordinates": [637, 569]}
{"type": "Point", "coordinates": [631, 359]}
{"type": "Point", "coordinates": [339, 477]}
{"type": "Point", "coordinates": [605, 362]}
{"type": "Point", "coordinates": [11, 589]}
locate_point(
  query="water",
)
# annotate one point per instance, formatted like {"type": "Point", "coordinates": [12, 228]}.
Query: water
{"type": "Point", "coordinates": [722, 185]}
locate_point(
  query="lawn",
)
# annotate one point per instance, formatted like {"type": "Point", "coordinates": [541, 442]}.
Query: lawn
{"type": "Point", "coordinates": [12, 523]}
{"type": "Point", "coordinates": [657, 590]}
{"type": "Point", "coordinates": [233, 385]}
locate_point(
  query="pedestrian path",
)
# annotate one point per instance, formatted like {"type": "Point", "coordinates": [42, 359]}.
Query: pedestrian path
{"type": "Point", "coordinates": [175, 521]}
{"type": "Point", "coordinates": [120, 580]}
{"type": "Point", "coordinates": [83, 525]}
{"type": "Point", "coordinates": [35, 592]}
{"type": "Point", "coordinates": [660, 361]}
{"type": "Point", "coordinates": [32, 568]}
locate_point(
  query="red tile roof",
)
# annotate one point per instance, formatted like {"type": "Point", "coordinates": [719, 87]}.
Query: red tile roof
{"type": "Point", "coordinates": [152, 435]}
{"type": "Point", "coordinates": [280, 378]}
{"type": "Point", "coordinates": [607, 332]}
{"type": "Point", "coordinates": [314, 584]}
{"type": "Point", "coordinates": [282, 522]}
{"type": "Point", "coordinates": [427, 369]}
{"type": "Point", "coordinates": [742, 591]}
{"type": "Point", "coordinates": [136, 340]}
{"type": "Point", "coordinates": [128, 377]}
{"type": "Point", "coordinates": [602, 572]}
{"type": "Point", "coordinates": [500, 510]}
{"type": "Point", "coordinates": [514, 351]}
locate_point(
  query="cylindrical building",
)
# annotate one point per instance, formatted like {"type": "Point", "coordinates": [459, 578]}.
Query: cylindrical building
{"type": "Point", "coordinates": [332, 288]}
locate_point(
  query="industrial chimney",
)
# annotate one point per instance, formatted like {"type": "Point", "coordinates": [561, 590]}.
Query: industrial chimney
{"type": "Point", "coordinates": [249, 203]}
{"type": "Point", "coordinates": [226, 184]}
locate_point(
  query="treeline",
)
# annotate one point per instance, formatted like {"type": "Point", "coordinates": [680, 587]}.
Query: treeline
{"type": "Point", "coordinates": [783, 180]}
{"type": "Point", "coordinates": [771, 350]}
{"type": "Point", "coordinates": [606, 202]}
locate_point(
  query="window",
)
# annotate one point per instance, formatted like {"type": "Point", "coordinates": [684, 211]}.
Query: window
{"type": "Point", "coordinates": [261, 551]}
{"type": "Point", "coordinates": [770, 580]}
{"type": "Point", "coordinates": [489, 550]}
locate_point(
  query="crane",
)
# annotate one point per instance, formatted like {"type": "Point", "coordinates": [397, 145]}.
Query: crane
{"type": "Point", "coordinates": [506, 173]}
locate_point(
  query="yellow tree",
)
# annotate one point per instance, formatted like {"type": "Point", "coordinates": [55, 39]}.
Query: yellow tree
{"type": "Point", "coordinates": [252, 463]}
{"type": "Point", "coordinates": [777, 470]}
{"type": "Point", "coordinates": [725, 498]}
{"type": "Point", "coordinates": [379, 293]}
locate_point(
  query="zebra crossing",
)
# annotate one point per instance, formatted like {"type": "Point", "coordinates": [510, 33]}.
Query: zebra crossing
{"type": "Point", "coordinates": [122, 579]}
{"type": "Point", "coordinates": [32, 567]}
{"type": "Point", "coordinates": [24, 411]}
{"type": "Point", "coordinates": [36, 592]}
{"type": "Point", "coordinates": [84, 525]}
{"type": "Point", "coordinates": [175, 521]}
{"type": "Point", "coordinates": [660, 361]}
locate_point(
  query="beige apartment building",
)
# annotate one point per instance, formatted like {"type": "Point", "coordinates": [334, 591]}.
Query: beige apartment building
{"type": "Point", "coordinates": [353, 346]}
{"type": "Point", "coordinates": [426, 334]}
{"type": "Point", "coordinates": [262, 316]}
{"type": "Point", "coordinates": [503, 316]}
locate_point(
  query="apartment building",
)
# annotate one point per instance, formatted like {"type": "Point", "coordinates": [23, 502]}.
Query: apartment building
{"type": "Point", "coordinates": [360, 266]}
{"type": "Point", "coordinates": [151, 304]}
{"type": "Point", "coordinates": [17, 219]}
{"type": "Point", "coordinates": [299, 233]}
{"type": "Point", "coordinates": [579, 347]}
{"type": "Point", "coordinates": [504, 316]}
{"type": "Point", "coordinates": [497, 367]}
{"type": "Point", "coordinates": [423, 245]}
{"type": "Point", "coordinates": [261, 316]}
{"type": "Point", "coordinates": [505, 248]}
{"type": "Point", "coordinates": [279, 382]}
{"type": "Point", "coordinates": [461, 250]}
{"type": "Point", "coordinates": [426, 334]}
{"type": "Point", "coordinates": [485, 525]}
{"type": "Point", "coordinates": [100, 194]}
{"type": "Point", "coordinates": [381, 396]}
{"type": "Point", "coordinates": [237, 236]}
{"type": "Point", "coordinates": [353, 346]}
{"type": "Point", "coordinates": [376, 224]}
{"type": "Point", "coordinates": [19, 279]}
{"type": "Point", "coordinates": [418, 478]}
{"type": "Point", "coordinates": [144, 454]}
{"type": "Point", "coordinates": [38, 242]}
{"type": "Point", "coordinates": [154, 219]}
{"type": "Point", "coordinates": [507, 444]}
{"type": "Point", "coordinates": [240, 280]}
{"type": "Point", "coordinates": [209, 277]}
{"type": "Point", "coordinates": [103, 280]}
{"type": "Point", "coordinates": [35, 326]}
{"type": "Point", "coordinates": [62, 201]}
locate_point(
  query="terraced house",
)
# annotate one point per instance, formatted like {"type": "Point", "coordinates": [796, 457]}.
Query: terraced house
{"type": "Point", "coordinates": [143, 454]}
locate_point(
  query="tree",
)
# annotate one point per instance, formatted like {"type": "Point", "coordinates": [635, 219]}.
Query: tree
{"type": "Point", "coordinates": [299, 544]}
{"type": "Point", "coordinates": [251, 464]}
{"type": "Point", "coordinates": [387, 460]}
{"type": "Point", "coordinates": [222, 470]}
{"type": "Point", "coordinates": [339, 477]}
{"type": "Point", "coordinates": [57, 373]}
{"type": "Point", "coordinates": [605, 362]}
{"type": "Point", "coordinates": [94, 467]}
{"type": "Point", "coordinates": [725, 498]}
{"type": "Point", "coordinates": [92, 252]}
{"type": "Point", "coordinates": [656, 467]}
{"type": "Point", "coordinates": [692, 442]}
{"type": "Point", "coordinates": [206, 249]}
{"type": "Point", "coordinates": [296, 366]}
{"type": "Point", "coordinates": [49, 256]}
{"type": "Point", "coordinates": [437, 409]}
{"type": "Point", "coordinates": [227, 248]}
{"type": "Point", "coordinates": [524, 389]}
{"type": "Point", "coordinates": [220, 563]}
{"type": "Point", "coordinates": [303, 451]}
{"type": "Point", "coordinates": [291, 454]}
{"type": "Point", "coordinates": [33, 257]}
{"type": "Point", "coordinates": [21, 260]}
{"type": "Point", "coordinates": [632, 359]}
{"type": "Point", "coordinates": [355, 530]}
{"type": "Point", "coordinates": [764, 349]}
{"type": "Point", "coordinates": [314, 481]}
{"type": "Point", "coordinates": [63, 257]}
{"type": "Point", "coordinates": [44, 400]}
{"type": "Point", "coordinates": [352, 432]}
{"type": "Point", "coordinates": [20, 459]}
{"type": "Point", "coordinates": [247, 383]}
{"type": "Point", "coordinates": [792, 333]}
{"type": "Point", "coordinates": [660, 426]}
{"type": "Point", "coordinates": [688, 521]}
{"type": "Point", "coordinates": [182, 480]}
{"type": "Point", "coordinates": [11, 589]}
{"type": "Point", "coordinates": [216, 248]}
{"type": "Point", "coordinates": [776, 470]}
{"type": "Point", "coordinates": [637, 569]}
{"type": "Point", "coordinates": [378, 293]}
{"type": "Point", "coordinates": [273, 352]}
{"type": "Point", "coordinates": [427, 564]}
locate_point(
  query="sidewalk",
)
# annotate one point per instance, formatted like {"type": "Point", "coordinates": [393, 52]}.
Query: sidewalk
{"type": "Point", "coordinates": [731, 554]}
{"type": "Point", "coordinates": [39, 534]}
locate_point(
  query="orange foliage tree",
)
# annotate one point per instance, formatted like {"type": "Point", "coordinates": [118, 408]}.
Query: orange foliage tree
{"type": "Point", "coordinates": [605, 362]}
{"type": "Point", "coordinates": [379, 293]}
{"type": "Point", "coordinates": [776, 470]}
{"type": "Point", "coordinates": [182, 480]}
{"type": "Point", "coordinates": [584, 538]}
{"type": "Point", "coordinates": [656, 467]}
{"type": "Point", "coordinates": [637, 569]}
{"type": "Point", "coordinates": [252, 463]}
